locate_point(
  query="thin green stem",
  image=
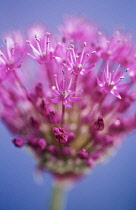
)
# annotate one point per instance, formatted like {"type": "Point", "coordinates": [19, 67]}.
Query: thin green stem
{"type": "Point", "coordinates": [62, 116]}
{"type": "Point", "coordinates": [57, 201]}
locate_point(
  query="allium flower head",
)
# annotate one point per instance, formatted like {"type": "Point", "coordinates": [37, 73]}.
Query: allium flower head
{"type": "Point", "coordinates": [75, 104]}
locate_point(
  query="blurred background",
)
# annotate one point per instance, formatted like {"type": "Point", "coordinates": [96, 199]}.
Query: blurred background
{"type": "Point", "coordinates": [112, 185]}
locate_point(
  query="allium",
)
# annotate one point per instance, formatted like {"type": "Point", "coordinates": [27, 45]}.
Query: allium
{"type": "Point", "coordinates": [69, 98]}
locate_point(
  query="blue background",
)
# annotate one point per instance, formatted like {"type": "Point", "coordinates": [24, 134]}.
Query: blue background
{"type": "Point", "coordinates": [111, 186]}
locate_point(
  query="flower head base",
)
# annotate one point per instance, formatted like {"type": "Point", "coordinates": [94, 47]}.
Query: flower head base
{"type": "Point", "coordinates": [77, 107]}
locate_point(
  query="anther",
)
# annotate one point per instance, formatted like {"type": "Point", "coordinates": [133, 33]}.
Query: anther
{"type": "Point", "coordinates": [47, 33]}
{"type": "Point", "coordinates": [37, 39]}
{"type": "Point", "coordinates": [122, 77]}
{"type": "Point", "coordinates": [71, 45]}
{"type": "Point", "coordinates": [93, 52]}
{"type": "Point", "coordinates": [99, 33]}
{"type": "Point", "coordinates": [112, 83]}
{"type": "Point", "coordinates": [79, 66]}
{"type": "Point", "coordinates": [27, 41]}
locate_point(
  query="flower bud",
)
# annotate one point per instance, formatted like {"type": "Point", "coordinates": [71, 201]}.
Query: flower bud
{"type": "Point", "coordinates": [18, 142]}
{"type": "Point", "coordinates": [83, 154]}
{"type": "Point", "coordinates": [99, 124]}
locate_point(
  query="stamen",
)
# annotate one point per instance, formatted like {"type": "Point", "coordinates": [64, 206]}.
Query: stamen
{"type": "Point", "coordinates": [37, 38]}
{"type": "Point", "coordinates": [27, 41]}
{"type": "Point", "coordinates": [83, 52]}
{"type": "Point", "coordinates": [122, 77]}
{"type": "Point", "coordinates": [56, 82]}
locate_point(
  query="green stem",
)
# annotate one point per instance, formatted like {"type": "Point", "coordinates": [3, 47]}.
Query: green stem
{"type": "Point", "coordinates": [57, 201]}
{"type": "Point", "coordinates": [62, 116]}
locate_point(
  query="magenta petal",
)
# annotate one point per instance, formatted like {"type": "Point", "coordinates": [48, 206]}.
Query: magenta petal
{"type": "Point", "coordinates": [99, 82]}
{"type": "Point", "coordinates": [55, 100]}
{"type": "Point", "coordinates": [74, 99]}
{"type": "Point", "coordinates": [58, 59]}
{"type": "Point", "coordinates": [3, 74]}
{"type": "Point", "coordinates": [54, 91]}
{"type": "Point", "coordinates": [74, 92]}
{"type": "Point", "coordinates": [35, 51]}
{"type": "Point", "coordinates": [115, 93]}
{"type": "Point", "coordinates": [105, 75]}
{"type": "Point", "coordinates": [32, 56]}
{"type": "Point", "coordinates": [65, 102]}
{"type": "Point", "coordinates": [116, 76]}
{"type": "Point", "coordinates": [89, 67]}
{"type": "Point", "coordinates": [62, 85]}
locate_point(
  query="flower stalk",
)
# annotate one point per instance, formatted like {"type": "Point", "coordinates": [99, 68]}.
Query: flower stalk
{"type": "Point", "coordinates": [58, 197]}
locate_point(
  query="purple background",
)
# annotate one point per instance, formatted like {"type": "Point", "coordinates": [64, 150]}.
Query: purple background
{"type": "Point", "coordinates": [111, 186]}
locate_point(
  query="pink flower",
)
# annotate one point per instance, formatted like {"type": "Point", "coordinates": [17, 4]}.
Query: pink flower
{"type": "Point", "coordinates": [40, 45]}
{"type": "Point", "coordinates": [77, 63]}
{"type": "Point", "coordinates": [119, 47]}
{"type": "Point", "coordinates": [11, 57]}
{"type": "Point", "coordinates": [63, 94]}
{"type": "Point", "coordinates": [78, 29]}
{"type": "Point", "coordinates": [111, 81]}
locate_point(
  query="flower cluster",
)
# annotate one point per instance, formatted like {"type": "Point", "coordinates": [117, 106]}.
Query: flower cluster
{"type": "Point", "coordinates": [69, 98]}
